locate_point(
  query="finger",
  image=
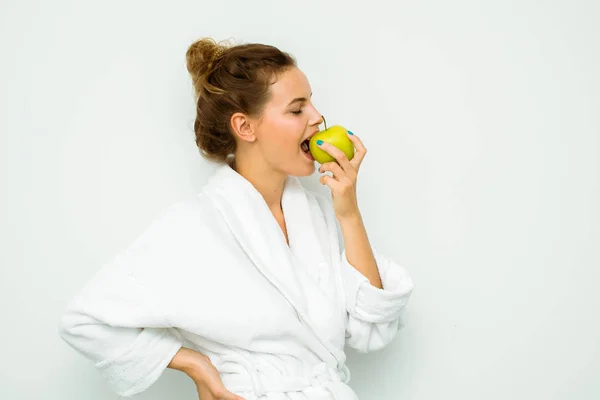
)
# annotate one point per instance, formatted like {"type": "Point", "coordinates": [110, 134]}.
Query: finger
{"type": "Point", "coordinates": [360, 153]}
{"type": "Point", "coordinates": [338, 173]}
{"type": "Point", "coordinates": [331, 182]}
{"type": "Point", "coordinates": [339, 155]}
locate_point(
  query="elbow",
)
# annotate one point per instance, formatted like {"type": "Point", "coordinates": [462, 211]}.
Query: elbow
{"type": "Point", "coordinates": [365, 346]}
{"type": "Point", "coordinates": [370, 345]}
{"type": "Point", "coordinates": [67, 326]}
{"type": "Point", "coordinates": [74, 326]}
{"type": "Point", "coordinates": [367, 337]}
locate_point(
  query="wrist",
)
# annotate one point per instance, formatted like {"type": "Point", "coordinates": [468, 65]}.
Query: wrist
{"type": "Point", "coordinates": [189, 362]}
{"type": "Point", "coordinates": [350, 219]}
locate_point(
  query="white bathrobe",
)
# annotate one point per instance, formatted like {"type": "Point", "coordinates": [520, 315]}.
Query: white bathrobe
{"type": "Point", "coordinates": [214, 273]}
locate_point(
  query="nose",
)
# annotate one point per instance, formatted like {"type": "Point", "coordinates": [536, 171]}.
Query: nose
{"type": "Point", "coordinates": [318, 118]}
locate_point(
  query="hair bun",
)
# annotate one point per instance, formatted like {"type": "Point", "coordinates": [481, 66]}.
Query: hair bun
{"type": "Point", "coordinates": [200, 59]}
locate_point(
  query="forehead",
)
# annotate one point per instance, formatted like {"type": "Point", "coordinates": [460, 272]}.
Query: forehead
{"type": "Point", "coordinates": [290, 85]}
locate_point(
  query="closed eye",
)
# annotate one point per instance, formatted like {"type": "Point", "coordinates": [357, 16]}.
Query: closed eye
{"type": "Point", "coordinates": [297, 112]}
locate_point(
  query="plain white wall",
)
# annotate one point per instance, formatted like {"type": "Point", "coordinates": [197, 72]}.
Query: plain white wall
{"type": "Point", "coordinates": [482, 121]}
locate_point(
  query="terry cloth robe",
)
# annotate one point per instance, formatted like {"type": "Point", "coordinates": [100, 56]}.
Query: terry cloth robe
{"type": "Point", "coordinates": [214, 273]}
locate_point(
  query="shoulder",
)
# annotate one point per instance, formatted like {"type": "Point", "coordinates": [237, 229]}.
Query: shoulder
{"type": "Point", "coordinates": [190, 207]}
{"type": "Point", "coordinates": [178, 239]}
{"type": "Point", "coordinates": [178, 223]}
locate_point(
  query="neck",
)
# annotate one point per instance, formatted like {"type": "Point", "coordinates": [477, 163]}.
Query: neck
{"type": "Point", "coordinates": [266, 180]}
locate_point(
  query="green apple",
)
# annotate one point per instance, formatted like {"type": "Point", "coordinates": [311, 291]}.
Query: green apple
{"type": "Point", "coordinates": [337, 135]}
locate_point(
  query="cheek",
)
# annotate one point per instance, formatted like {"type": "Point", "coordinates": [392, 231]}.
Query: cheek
{"type": "Point", "coordinates": [286, 133]}
{"type": "Point", "coordinates": [286, 142]}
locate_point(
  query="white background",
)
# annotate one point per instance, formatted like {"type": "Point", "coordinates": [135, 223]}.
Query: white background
{"type": "Point", "coordinates": [482, 121]}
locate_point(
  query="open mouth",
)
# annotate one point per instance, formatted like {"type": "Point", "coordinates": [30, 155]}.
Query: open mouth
{"type": "Point", "coordinates": [304, 146]}
{"type": "Point", "coordinates": [306, 150]}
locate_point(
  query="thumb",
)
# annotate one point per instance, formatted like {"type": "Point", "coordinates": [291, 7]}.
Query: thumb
{"type": "Point", "coordinates": [230, 396]}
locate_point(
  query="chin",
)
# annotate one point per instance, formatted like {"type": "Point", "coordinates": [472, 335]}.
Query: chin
{"type": "Point", "coordinates": [307, 169]}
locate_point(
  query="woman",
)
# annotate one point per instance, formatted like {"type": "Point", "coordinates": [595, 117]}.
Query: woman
{"type": "Point", "coordinates": [244, 286]}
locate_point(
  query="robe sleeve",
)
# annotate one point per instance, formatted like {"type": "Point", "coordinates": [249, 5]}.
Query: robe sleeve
{"type": "Point", "coordinates": [374, 315]}
{"type": "Point", "coordinates": [117, 320]}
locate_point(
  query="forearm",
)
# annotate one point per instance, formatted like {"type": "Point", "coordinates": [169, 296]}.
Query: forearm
{"type": "Point", "coordinates": [358, 249]}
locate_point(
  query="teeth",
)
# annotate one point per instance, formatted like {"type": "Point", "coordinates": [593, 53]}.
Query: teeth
{"type": "Point", "coordinates": [305, 146]}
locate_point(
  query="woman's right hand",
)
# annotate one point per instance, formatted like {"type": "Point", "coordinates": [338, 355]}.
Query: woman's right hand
{"type": "Point", "coordinates": [209, 384]}
{"type": "Point", "coordinates": [200, 368]}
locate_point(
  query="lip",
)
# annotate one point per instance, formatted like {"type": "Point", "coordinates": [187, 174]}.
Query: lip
{"type": "Point", "coordinates": [311, 135]}
{"type": "Point", "coordinates": [309, 156]}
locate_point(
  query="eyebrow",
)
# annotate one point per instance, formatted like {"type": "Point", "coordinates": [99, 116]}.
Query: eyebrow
{"type": "Point", "coordinates": [298, 99]}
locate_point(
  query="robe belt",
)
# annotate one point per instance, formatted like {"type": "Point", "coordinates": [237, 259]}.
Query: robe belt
{"type": "Point", "coordinates": [261, 383]}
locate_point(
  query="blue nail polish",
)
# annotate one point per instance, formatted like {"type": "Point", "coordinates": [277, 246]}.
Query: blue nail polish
{"type": "Point", "coordinates": [319, 142]}
{"type": "Point", "coordinates": [350, 133]}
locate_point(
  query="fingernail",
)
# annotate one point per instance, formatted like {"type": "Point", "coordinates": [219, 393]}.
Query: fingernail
{"type": "Point", "coordinates": [319, 142]}
{"type": "Point", "coordinates": [349, 132]}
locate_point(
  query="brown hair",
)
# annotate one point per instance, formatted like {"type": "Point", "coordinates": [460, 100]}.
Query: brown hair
{"type": "Point", "coordinates": [229, 79]}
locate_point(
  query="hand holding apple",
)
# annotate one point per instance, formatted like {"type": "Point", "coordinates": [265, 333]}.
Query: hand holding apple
{"type": "Point", "coordinates": [345, 174]}
{"type": "Point", "coordinates": [337, 136]}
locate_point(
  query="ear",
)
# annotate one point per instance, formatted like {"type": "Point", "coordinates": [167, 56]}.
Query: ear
{"type": "Point", "coordinates": [243, 127]}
